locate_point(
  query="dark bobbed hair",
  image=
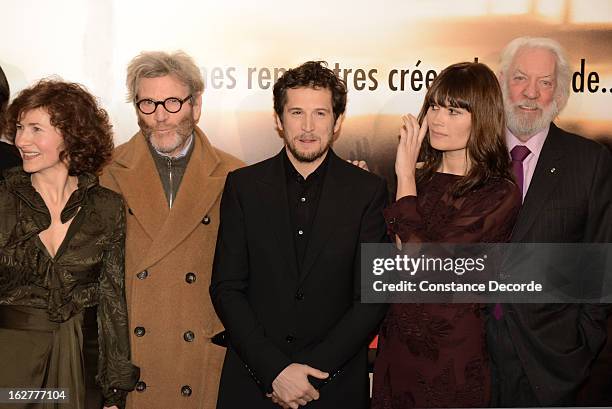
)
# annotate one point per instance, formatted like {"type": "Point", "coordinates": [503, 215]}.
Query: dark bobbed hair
{"type": "Point", "coordinates": [74, 112]}
{"type": "Point", "coordinates": [5, 93]}
{"type": "Point", "coordinates": [311, 74]}
{"type": "Point", "coordinates": [473, 87]}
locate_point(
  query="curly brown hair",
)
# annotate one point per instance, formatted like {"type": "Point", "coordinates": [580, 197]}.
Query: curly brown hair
{"type": "Point", "coordinates": [74, 112]}
{"type": "Point", "coordinates": [311, 74]}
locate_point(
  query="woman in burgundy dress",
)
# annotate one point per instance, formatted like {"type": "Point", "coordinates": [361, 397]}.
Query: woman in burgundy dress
{"type": "Point", "coordinates": [434, 355]}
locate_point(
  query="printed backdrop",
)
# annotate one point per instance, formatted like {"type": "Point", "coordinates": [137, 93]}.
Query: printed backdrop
{"type": "Point", "coordinates": [387, 51]}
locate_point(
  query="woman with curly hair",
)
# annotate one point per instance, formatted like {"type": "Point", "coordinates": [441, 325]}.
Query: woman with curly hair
{"type": "Point", "coordinates": [63, 318]}
{"type": "Point", "coordinates": [434, 355]}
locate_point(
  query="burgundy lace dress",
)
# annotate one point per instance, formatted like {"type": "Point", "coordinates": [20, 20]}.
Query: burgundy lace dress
{"type": "Point", "coordinates": [434, 355]}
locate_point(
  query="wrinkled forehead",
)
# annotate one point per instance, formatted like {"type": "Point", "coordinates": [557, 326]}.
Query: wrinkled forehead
{"type": "Point", "coordinates": [538, 62]}
{"type": "Point", "coordinates": [160, 88]}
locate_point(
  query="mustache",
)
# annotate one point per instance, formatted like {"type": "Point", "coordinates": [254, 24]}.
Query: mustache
{"type": "Point", "coordinates": [528, 104]}
{"type": "Point", "coordinates": [307, 136]}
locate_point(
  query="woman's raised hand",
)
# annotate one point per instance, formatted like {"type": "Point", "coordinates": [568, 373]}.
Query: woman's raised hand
{"type": "Point", "coordinates": [411, 137]}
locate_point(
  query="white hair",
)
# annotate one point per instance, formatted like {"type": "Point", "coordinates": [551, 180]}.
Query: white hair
{"type": "Point", "coordinates": [562, 68]}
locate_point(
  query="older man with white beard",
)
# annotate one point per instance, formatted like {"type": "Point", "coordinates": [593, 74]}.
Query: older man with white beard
{"type": "Point", "coordinates": [542, 353]}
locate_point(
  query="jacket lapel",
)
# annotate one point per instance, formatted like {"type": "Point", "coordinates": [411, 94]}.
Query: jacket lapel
{"type": "Point", "coordinates": [140, 185]}
{"type": "Point", "coordinates": [548, 172]}
{"type": "Point", "coordinates": [273, 188]}
{"type": "Point", "coordinates": [198, 192]}
{"type": "Point", "coordinates": [333, 197]}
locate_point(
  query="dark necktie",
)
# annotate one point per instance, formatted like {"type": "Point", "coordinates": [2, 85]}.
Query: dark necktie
{"type": "Point", "coordinates": [518, 155]}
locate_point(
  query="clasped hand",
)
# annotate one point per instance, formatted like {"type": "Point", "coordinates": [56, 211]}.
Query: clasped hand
{"type": "Point", "coordinates": [291, 388]}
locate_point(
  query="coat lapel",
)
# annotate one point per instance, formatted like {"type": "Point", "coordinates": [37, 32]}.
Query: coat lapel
{"type": "Point", "coordinates": [198, 191]}
{"type": "Point", "coordinates": [273, 188]}
{"type": "Point", "coordinates": [547, 174]}
{"type": "Point", "coordinates": [333, 197]}
{"type": "Point", "coordinates": [140, 185]}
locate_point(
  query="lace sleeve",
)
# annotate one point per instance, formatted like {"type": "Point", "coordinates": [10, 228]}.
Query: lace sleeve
{"type": "Point", "coordinates": [485, 215]}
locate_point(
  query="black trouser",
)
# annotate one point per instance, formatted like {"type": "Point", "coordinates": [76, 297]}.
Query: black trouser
{"type": "Point", "coordinates": [510, 386]}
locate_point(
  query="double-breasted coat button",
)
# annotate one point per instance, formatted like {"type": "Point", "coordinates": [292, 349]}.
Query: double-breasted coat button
{"type": "Point", "coordinates": [299, 296]}
{"type": "Point", "coordinates": [189, 336]}
{"type": "Point", "coordinates": [290, 339]}
{"type": "Point", "coordinates": [141, 386]}
{"type": "Point", "coordinates": [130, 211]}
{"type": "Point", "coordinates": [139, 331]}
{"type": "Point", "coordinates": [186, 390]}
{"type": "Point", "coordinates": [142, 275]}
{"type": "Point", "coordinates": [206, 220]}
{"type": "Point", "coordinates": [190, 278]}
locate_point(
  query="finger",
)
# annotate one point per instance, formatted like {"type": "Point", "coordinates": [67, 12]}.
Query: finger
{"type": "Point", "coordinates": [312, 393]}
{"type": "Point", "coordinates": [415, 129]}
{"type": "Point", "coordinates": [302, 401]}
{"type": "Point", "coordinates": [407, 129]}
{"type": "Point", "coordinates": [316, 373]}
{"type": "Point", "coordinates": [423, 131]}
{"type": "Point", "coordinates": [276, 399]}
{"type": "Point", "coordinates": [294, 405]}
{"type": "Point", "coordinates": [403, 136]}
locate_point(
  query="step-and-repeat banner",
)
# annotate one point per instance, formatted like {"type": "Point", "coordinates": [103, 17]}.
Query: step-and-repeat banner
{"type": "Point", "coordinates": [388, 52]}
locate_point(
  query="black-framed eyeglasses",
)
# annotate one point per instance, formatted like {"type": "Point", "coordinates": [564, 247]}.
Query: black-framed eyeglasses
{"type": "Point", "coordinates": [172, 104]}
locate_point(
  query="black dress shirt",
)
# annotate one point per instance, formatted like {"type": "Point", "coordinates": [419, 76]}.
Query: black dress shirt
{"type": "Point", "coordinates": [303, 198]}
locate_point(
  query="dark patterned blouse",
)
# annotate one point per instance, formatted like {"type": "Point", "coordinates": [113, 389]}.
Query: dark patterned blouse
{"type": "Point", "coordinates": [434, 355]}
{"type": "Point", "coordinates": [87, 271]}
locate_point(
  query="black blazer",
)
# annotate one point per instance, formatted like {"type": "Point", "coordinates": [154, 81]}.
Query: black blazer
{"type": "Point", "coordinates": [273, 315]}
{"type": "Point", "coordinates": [568, 201]}
{"type": "Point", "coordinates": [9, 157]}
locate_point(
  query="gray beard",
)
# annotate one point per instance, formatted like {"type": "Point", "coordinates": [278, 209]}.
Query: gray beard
{"type": "Point", "coordinates": [183, 131]}
{"type": "Point", "coordinates": [522, 125]}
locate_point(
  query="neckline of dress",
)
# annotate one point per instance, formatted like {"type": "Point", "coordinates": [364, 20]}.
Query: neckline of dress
{"type": "Point", "coordinates": [448, 174]}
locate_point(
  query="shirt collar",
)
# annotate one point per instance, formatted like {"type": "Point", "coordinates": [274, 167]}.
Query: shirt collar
{"type": "Point", "coordinates": [291, 171]}
{"type": "Point", "coordinates": [535, 143]}
{"type": "Point", "coordinates": [20, 182]}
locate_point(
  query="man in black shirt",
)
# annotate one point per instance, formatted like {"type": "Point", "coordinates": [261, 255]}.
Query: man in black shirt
{"type": "Point", "coordinates": [286, 276]}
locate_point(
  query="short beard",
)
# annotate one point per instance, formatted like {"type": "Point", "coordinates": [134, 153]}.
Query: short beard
{"type": "Point", "coordinates": [184, 129]}
{"type": "Point", "coordinates": [520, 124]}
{"type": "Point", "coordinates": [307, 157]}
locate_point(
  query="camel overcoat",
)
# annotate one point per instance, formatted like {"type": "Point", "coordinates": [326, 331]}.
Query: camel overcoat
{"type": "Point", "coordinates": [169, 255]}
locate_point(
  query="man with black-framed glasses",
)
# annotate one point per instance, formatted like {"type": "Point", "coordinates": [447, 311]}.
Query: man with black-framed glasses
{"type": "Point", "coordinates": [171, 178]}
